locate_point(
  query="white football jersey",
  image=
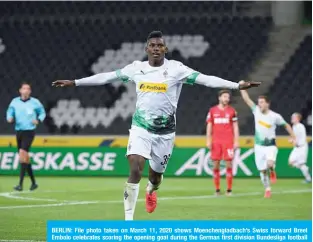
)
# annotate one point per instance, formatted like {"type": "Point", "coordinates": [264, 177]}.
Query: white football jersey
{"type": "Point", "coordinates": [265, 126]}
{"type": "Point", "coordinates": [158, 90]}
{"type": "Point", "coordinates": [300, 134]}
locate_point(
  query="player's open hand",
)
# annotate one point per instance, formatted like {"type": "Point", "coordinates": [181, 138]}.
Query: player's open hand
{"type": "Point", "coordinates": [35, 122]}
{"type": "Point", "coordinates": [63, 83]}
{"type": "Point", "coordinates": [246, 85]}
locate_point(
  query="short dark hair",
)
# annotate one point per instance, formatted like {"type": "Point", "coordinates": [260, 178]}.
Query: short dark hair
{"type": "Point", "coordinates": [155, 34]}
{"type": "Point", "coordinates": [266, 98]}
{"type": "Point", "coordinates": [221, 92]}
{"type": "Point", "coordinates": [25, 83]}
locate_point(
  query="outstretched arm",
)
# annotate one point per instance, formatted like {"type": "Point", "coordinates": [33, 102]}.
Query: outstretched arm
{"type": "Point", "coordinates": [95, 80]}
{"type": "Point", "coordinates": [216, 82]}
{"type": "Point", "coordinates": [123, 75]}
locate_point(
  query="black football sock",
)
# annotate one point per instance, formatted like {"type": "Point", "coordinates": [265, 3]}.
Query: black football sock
{"type": "Point", "coordinates": [30, 173]}
{"type": "Point", "coordinates": [22, 173]}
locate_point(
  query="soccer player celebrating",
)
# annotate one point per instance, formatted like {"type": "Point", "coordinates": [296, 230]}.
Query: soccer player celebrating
{"type": "Point", "coordinates": [222, 138]}
{"type": "Point", "coordinates": [298, 156]}
{"type": "Point", "coordinates": [26, 112]}
{"type": "Point", "coordinates": [265, 148]}
{"type": "Point", "coordinates": [158, 85]}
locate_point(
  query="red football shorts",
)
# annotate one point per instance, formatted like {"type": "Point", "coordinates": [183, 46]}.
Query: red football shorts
{"type": "Point", "coordinates": [222, 152]}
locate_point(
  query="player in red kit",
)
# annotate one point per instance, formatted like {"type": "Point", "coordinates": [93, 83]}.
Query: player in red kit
{"type": "Point", "coordinates": [222, 138]}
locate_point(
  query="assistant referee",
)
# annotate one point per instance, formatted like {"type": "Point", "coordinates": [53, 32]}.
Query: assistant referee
{"type": "Point", "coordinates": [26, 112]}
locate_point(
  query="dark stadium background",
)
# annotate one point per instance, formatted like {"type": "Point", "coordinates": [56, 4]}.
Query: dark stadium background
{"type": "Point", "coordinates": [81, 169]}
{"type": "Point", "coordinates": [45, 41]}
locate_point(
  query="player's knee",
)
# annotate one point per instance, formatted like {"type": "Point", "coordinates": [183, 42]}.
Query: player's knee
{"type": "Point", "coordinates": [135, 174]}
{"type": "Point", "coordinates": [23, 155]}
{"type": "Point", "coordinates": [216, 165]}
{"type": "Point", "coordinates": [270, 164]}
{"type": "Point", "coordinates": [229, 164]}
{"type": "Point", "coordinates": [136, 168]}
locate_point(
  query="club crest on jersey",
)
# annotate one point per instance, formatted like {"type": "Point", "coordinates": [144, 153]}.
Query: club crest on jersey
{"type": "Point", "coordinates": [152, 87]}
{"type": "Point", "coordinates": [165, 73]}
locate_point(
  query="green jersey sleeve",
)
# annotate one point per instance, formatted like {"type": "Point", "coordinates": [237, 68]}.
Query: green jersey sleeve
{"type": "Point", "coordinates": [186, 74]}
{"type": "Point", "coordinates": [126, 74]}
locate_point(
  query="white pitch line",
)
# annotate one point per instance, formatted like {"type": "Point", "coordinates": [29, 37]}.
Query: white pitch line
{"type": "Point", "coordinates": [11, 195]}
{"type": "Point", "coordinates": [234, 195]}
{"type": "Point", "coordinates": [172, 188]}
{"type": "Point", "coordinates": [141, 200]}
{"type": "Point", "coordinates": [49, 205]}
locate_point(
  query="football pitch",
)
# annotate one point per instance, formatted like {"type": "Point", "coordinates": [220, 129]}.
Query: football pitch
{"type": "Point", "coordinates": [23, 215]}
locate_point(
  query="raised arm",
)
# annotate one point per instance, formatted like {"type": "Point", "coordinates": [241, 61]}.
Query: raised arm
{"type": "Point", "coordinates": [246, 98]}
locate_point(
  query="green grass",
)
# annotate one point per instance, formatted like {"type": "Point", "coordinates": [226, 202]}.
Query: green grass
{"type": "Point", "coordinates": [291, 200]}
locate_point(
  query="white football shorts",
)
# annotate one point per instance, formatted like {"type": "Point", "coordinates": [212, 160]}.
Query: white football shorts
{"type": "Point", "coordinates": [299, 155]}
{"type": "Point", "coordinates": [263, 154]}
{"type": "Point", "coordinates": [153, 147]}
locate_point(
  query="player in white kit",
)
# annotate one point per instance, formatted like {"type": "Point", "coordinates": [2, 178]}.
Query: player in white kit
{"type": "Point", "coordinates": [158, 85]}
{"type": "Point", "coordinates": [299, 154]}
{"type": "Point", "coordinates": [265, 149]}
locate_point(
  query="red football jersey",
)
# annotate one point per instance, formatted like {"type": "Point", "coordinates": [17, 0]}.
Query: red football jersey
{"type": "Point", "coordinates": [222, 124]}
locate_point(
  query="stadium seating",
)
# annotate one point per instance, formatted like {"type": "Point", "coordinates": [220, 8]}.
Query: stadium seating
{"type": "Point", "coordinates": [113, 8]}
{"type": "Point", "coordinates": [41, 48]}
{"type": "Point", "coordinates": [291, 91]}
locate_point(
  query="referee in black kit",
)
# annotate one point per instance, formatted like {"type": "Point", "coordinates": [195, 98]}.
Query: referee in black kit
{"type": "Point", "coordinates": [26, 112]}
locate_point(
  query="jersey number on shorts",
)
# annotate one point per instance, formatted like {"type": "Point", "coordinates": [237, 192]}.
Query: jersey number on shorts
{"type": "Point", "coordinates": [166, 158]}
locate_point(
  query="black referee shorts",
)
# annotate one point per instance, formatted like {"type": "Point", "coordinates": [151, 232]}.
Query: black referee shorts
{"type": "Point", "coordinates": [24, 139]}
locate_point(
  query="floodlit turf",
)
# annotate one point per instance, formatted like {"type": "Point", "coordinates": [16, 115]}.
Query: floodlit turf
{"type": "Point", "coordinates": [23, 215]}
